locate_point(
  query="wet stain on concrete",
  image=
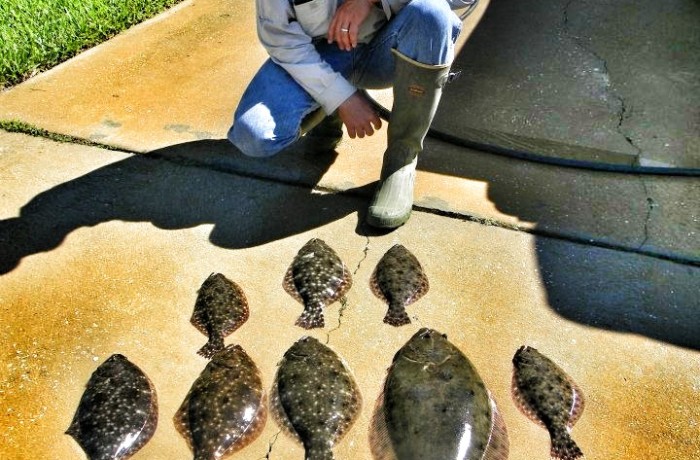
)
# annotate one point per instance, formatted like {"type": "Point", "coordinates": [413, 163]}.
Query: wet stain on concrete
{"type": "Point", "coordinates": [111, 124]}
{"type": "Point", "coordinates": [178, 128]}
{"type": "Point", "coordinates": [187, 129]}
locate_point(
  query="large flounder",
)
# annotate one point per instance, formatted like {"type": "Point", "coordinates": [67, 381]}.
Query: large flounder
{"type": "Point", "coordinates": [316, 278]}
{"type": "Point", "coordinates": [399, 280]}
{"type": "Point", "coordinates": [118, 412]}
{"type": "Point", "coordinates": [314, 397]}
{"type": "Point", "coordinates": [221, 308]}
{"type": "Point", "coordinates": [435, 406]}
{"type": "Point", "coordinates": [549, 397]}
{"type": "Point", "coordinates": [225, 409]}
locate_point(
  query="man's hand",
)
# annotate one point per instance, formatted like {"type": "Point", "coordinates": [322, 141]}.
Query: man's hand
{"type": "Point", "coordinates": [346, 23]}
{"type": "Point", "coordinates": [358, 116]}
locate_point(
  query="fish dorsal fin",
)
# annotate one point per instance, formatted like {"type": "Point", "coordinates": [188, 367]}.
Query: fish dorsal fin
{"type": "Point", "coordinates": [347, 280]}
{"type": "Point", "coordinates": [74, 428]}
{"type": "Point", "coordinates": [253, 430]}
{"type": "Point", "coordinates": [280, 415]}
{"type": "Point", "coordinates": [498, 445]}
{"type": "Point", "coordinates": [290, 287]}
{"type": "Point", "coordinates": [379, 441]}
{"type": "Point", "coordinates": [421, 290]}
{"type": "Point", "coordinates": [198, 320]}
{"type": "Point", "coordinates": [344, 287]}
{"type": "Point", "coordinates": [522, 403]}
{"type": "Point", "coordinates": [181, 421]}
{"type": "Point", "coordinates": [235, 323]}
{"type": "Point", "coordinates": [374, 286]}
{"type": "Point", "coordinates": [579, 403]}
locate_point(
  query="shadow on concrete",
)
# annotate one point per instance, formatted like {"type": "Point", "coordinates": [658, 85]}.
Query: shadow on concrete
{"type": "Point", "coordinates": [597, 83]}
{"type": "Point", "coordinates": [187, 185]}
{"type": "Point", "coordinates": [618, 290]}
{"type": "Point", "coordinates": [175, 188]}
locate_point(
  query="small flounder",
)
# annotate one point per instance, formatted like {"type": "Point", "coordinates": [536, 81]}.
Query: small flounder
{"type": "Point", "coordinates": [118, 412]}
{"type": "Point", "coordinates": [316, 278]}
{"type": "Point", "coordinates": [221, 308]}
{"type": "Point", "coordinates": [435, 406]}
{"type": "Point", "coordinates": [399, 281]}
{"type": "Point", "coordinates": [225, 409]}
{"type": "Point", "coordinates": [549, 397]}
{"type": "Point", "coordinates": [314, 397]}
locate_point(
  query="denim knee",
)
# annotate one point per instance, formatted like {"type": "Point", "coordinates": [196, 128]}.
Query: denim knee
{"type": "Point", "coordinates": [438, 28]}
{"type": "Point", "coordinates": [435, 15]}
{"type": "Point", "coordinates": [254, 139]}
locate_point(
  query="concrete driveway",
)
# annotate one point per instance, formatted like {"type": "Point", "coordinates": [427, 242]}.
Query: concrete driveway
{"type": "Point", "coordinates": [102, 251]}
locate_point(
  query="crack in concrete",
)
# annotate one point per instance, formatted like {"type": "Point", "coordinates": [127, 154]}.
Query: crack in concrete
{"type": "Point", "coordinates": [344, 300]}
{"type": "Point", "coordinates": [343, 306]}
{"type": "Point", "coordinates": [622, 112]}
{"type": "Point", "coordinates": [364, 255]}
{"type": "Point", "coordinates": [622, 116]}
{"type": "Point", "coordinates": [271, 443]}
{"type": "Point", "coordinates": [651, 204]}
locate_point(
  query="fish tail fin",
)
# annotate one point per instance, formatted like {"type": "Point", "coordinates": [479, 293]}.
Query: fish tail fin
{"type": "Point", "coordinates": [397, 316]}
{"type": "Point", "coordinates": [318, 453]}
{"type": "Point", "coordinates": [214, 345]}
{"type": "Point", "coordinates": [564, 447]}
{"type": "Point", "coordinates": [311, 318]}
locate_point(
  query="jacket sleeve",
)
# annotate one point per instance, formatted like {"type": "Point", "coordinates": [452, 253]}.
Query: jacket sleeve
{"type": "Point", "coordinates": [391, 7]}
{"type": "Point", "coordinates": [290, 47]}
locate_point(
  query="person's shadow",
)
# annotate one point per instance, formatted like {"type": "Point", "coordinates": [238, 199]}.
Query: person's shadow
{"type": "Point", "coordinates": [588, 283]}
{"type": "Point", "coordinates": [614, 289]}
{"type": "Point", "coordinates": [183, 186]}
{"type": "Point", "coordinates": [210, 182]}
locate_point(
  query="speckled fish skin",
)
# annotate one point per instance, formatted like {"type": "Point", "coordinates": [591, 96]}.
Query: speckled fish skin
{"type": "Point", "coordinates": [399, 280]}
{"type": "Point", "coordinates": [435, 406]}
{"type": "Point", "coordinates": [118, 412]}
{"type": "Point", "coordinates": [316, 278]}
{"type": "Point", "coordinates": [225, 408]}
{"type": "Point", "coordinates": [548, 396]}
{"type": "Point", "coordinates": [221, 308]}
{"type": "Point", "coordinates": [315, 398]}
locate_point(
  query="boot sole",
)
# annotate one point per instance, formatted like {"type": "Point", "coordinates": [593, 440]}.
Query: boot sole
{"type": "Point", "coordinates": [387, 222]}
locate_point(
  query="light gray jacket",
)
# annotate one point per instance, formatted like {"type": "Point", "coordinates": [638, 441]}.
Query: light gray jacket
{"type": "Point", "coordinates": [286, 31]}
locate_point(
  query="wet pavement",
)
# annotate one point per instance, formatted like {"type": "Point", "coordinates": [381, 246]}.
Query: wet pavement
{"type": "Point", "coordinates": [102, 251]}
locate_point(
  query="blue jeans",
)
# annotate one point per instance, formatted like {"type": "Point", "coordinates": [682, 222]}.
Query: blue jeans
{"type": "Point", "coordinates": [272, 108]}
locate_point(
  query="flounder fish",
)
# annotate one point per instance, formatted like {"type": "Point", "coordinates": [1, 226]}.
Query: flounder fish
{"type": "Point", "coordinates": [435, 406]}
{"type": "Point", "coordinates": [314, 397]}
{"type": "Point", "coordinates": [221, 308]}
{"type": "Point", "coordinates": [549, 397]}
{"type": "Point", "coordinates": [399, 281]}
{"type": "Point", "coordinates": [225, 409]}
{"type": "Point", "coordinates": [118, 412]}
{"type": "Point", "coordinates": [316, 278]}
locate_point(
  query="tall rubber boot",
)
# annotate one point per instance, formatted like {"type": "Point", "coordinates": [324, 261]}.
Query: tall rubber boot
{"type": "Point", "coordinates": [417, 91]}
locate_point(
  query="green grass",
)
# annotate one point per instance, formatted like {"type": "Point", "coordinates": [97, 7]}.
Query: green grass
{"type": "Point", "coordinates": [38, 34]}
{"type": "Point", "coordinates": [16, 126]}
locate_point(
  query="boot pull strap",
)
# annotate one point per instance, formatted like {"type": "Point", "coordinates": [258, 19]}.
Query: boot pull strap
{"type": "Point", "coordinates": [452, 76]}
